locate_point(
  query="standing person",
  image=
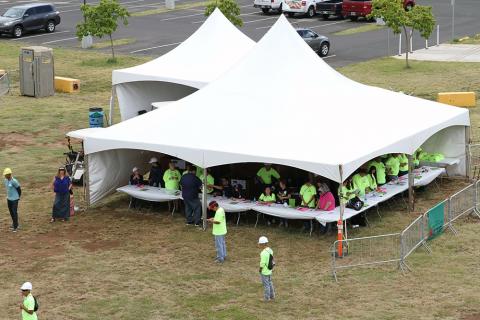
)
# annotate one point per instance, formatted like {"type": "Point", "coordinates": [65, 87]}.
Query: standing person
{"type": "Point", "coordinates": [380, 170]}
{"type": "Point", "coordinates": [28, 304]}
{"type": "Point", "coordinates": [171, 177]}
{"type": "Point", "coordinates": [219, 230]}
{"type": "Point", "coordinates": [307, 199]}
{"type": "Point", "coordinates": [283, 197]}
{"type": "Point", "coordinates": [61, 185]}
{"type": "Point", "coordinates": [191, 185]}
{"type": "Point", "coordinates": [266, 173]}
{"type": "Point", "coordinates": [13, 196]}
{"type": "Point", "coordinates": [155, 176]}
{"type": "Point", "coordinates": [266, 267]}
{"type": "Point", "coordinates": [210, 182]}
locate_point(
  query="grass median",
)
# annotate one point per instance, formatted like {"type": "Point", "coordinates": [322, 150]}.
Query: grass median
{"type": "Point", "coordinates": [365, 28]}
{"type": "Point", "coordinates": [116, 263]}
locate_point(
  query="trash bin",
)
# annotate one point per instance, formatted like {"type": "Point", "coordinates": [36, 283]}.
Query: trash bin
{"type": "Point", "coordinates": [95, 116]}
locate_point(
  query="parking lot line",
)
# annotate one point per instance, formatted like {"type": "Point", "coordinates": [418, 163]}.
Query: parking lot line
{"type": "Point", "coordinates": [78, 9]}
{"type": "Point", "coordinates": [59, 40]}
{"type": "Point", "coordinates": [40, 35]}
{"type": "Point", "coordinates": [185, 16]}
{"type": "Point", "coordinates": [328, 24]}
{"type": "Point", "coordinates": [263, 19]}
{"type": "Point", "coordinates": [156, 47]}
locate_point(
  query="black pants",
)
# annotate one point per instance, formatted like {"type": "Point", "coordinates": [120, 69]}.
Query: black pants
{"type": "Point", "coordinates": [13, 207]}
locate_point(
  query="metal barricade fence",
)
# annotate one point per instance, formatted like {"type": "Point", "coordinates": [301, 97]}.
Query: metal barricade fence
{"type": "Point", "coordinates": [474, 155]}
{"type": "Point", "coordinates": [413, 237]}
{"type": "Point", "coordinates": [477, 198]}
{"type": "Point", "coordinates": [462, 202]}
{"type": "Point", "coordinates": [4, 84]}
{"type": "Point", "coordinates": [366, 251]}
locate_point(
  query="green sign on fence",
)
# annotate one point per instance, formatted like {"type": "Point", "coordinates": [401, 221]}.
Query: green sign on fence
{"type": "Point", "coordinates": [436, 220]}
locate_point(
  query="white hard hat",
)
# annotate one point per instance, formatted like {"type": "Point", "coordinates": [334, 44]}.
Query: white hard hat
{"type": "Point", "coordinates": [134, 169]}
{"type": "Point", "coordinates": [26, 286]}
{"type": "Point", "coordinates": [262, 240]}
{"type": "Point", "coordinates": [153, 160]}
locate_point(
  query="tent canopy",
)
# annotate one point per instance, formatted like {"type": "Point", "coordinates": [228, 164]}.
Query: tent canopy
{"type": "Point", "coordinates": [283, 104]}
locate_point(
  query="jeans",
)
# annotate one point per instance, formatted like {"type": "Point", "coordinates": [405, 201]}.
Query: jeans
{"type": "Point", "coordinates": [268, 291]}
{"type": "Point", "coordinates": [193, 210]}
{"type": "Point", "coordinates": [13, 207]}
{"type": "Point", "coordinates": [221, 248]}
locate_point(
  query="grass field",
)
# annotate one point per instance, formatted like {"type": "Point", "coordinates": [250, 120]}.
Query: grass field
{"type": "Point", "coordinates": [110, 263]}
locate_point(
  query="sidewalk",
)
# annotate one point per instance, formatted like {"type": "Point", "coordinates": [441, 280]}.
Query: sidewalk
{"type": "Point", "coordinates": [446, 52]}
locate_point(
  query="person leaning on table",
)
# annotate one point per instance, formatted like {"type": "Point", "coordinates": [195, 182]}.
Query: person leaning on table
{"type": "Point", "coordinates": [380, 170]}
{"type": "Point", "coordinates": [360, 182]}
{"type": "Point", "coordinates": [28, 304]}
{"type": "Point", "coordinates": [191, 185]}
{"type": "Point", "coordinates": [403, 159]}
{"type": "Point", "coordinates": [393, 167]}
{"type": "Point", "coordinates": [171, 177]}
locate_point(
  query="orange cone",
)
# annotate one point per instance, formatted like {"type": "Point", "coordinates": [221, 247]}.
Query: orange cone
{"type": "Point", "coordinates": [340, 238]}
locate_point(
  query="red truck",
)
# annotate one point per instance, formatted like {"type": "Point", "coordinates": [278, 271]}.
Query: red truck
{"type": "Point", "coordinates": [353, 9]}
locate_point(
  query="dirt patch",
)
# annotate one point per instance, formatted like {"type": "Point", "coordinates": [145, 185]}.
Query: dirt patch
{"type": "Point", "coordinates": [101, 245]}
{"type": "Point", "coordinates": [15, 139]}
{"type": "Point", "coordinates": [475, 316]}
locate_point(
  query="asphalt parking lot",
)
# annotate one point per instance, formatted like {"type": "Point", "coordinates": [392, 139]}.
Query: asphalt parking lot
{"type": "Point", "coordinates": [159, 33]}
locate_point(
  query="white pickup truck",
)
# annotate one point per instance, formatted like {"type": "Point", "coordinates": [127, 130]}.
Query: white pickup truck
{"type": "Point", "coordinates": [305, 7]}
{"type": "Point", "coordinates": [267, 5]}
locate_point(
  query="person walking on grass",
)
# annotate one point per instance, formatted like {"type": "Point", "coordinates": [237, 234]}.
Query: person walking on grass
{"type": "Point", "coordinates": [29, 305]}
{"type": "Point", "coordinates": [266, 267]}
{"type": "Point", "coordinates": [13, 196]}
{"type": "Point", "coordinates": [219, 230]}
{"type": "Point", "coordinates": [62, 186]}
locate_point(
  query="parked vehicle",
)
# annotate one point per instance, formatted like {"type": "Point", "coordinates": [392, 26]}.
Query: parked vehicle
{"type": "Point", "coordinates": [319, 44]}
{"type": "Point", "coordinates": [21, 19]}
{"type": "Point", "coordinates": [330, 8]}
{"type": "Point", "coordinates": [304, 7]}
{"type": "Point", "coordinates": [360, 8]}
{"type": "Point", "coordinates": [267, 5]}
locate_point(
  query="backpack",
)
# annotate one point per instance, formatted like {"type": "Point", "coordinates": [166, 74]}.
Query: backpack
{"type": "Point", "coordinates": [271, 262]}
{"type": "Point", "coordinates": [35, 308]}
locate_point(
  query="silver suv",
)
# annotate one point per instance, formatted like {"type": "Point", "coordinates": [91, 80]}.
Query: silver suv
{"type": "Point", "coordinates": [319, 44]}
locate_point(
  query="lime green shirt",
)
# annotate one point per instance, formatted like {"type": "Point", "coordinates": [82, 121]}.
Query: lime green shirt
{"type": "Point", "coordinates": [265, 198]}
{"type": "Point", "coordinates": [219, 229]}
{"type": "Point", "coordinates": [403, 162]}
{"type": "Point", "coordinates": [372, 182]}
{"type": "Point", "coordinates": [210, 181]}
{"type": "Point", "coordinates": [380, 171]}
{"type": "Point", "coordinates": [393, 166]}
{"type": "Point", "coordinates": [171, 179]}
{"type": "Point", "coordinates": [266, 175]}
{"type": "Point", "coordinates": [199, 173]}
{"type": "Point", "coordinates": [346, 194]}
{"type": "Point", "coordinates": [416, 157]}
{"type": "Point", "coordinates": [264, 257]}
{"type": "Point", "coordinates": [29, 303]}
{"type": "Point", "coordinates": [360, 183]}
{"type": "Point", "coordinates": [308, 192]}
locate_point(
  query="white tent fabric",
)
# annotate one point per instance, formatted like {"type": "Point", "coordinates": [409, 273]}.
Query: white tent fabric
{"type": "Point", "coordinates": [213, 49]}
{"type": "Point", "coordinates": [294, 110]}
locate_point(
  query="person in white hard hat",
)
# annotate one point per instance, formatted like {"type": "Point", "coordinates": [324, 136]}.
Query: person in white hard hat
{"type": "Point", "coordinates": [13, 196]}
{"type": "Point", "coordinates": [266, 267]}
{"type": "Point", "coordinates": [155, 176]}
{"type": "Point", "coordinates": [28, 304]}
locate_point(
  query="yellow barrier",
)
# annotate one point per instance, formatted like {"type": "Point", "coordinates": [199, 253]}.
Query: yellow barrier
{"type": "Point", "coordinates": [2, 72]}
{"type": "Point", "coordinates": [459, 99]}
{"type": "Point", "coordinates": [67, 85]}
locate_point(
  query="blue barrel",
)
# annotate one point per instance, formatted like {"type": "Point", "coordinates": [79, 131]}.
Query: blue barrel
{"type": "Point", "coordinates": [95, 116]}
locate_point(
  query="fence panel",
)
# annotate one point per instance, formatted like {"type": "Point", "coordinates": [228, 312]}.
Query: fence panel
{"type": "Point", "coordinates": [436, 219]}
{"type": "Point", "coordinates": [462, 202]}
{"type": "Point", "coordinates": [366, 251]}
{"type": "Point", "coordinates": [4, 84]}
{"type": "Point", "coordinates": [477, 197]}
{"type": "Point", "coordinates": [413, 236]}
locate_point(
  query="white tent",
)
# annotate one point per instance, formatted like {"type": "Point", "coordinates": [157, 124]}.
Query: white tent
{"type": "Point", "coordinates": [280, 104]}
{"type": "Point", "coordinates": [213, 49]}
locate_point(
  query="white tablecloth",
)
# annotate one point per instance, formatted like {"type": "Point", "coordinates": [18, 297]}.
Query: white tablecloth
{"type": "Point", "coordinates": [231, 205]}
{"type": "Point", "coordinates": [150, 193]}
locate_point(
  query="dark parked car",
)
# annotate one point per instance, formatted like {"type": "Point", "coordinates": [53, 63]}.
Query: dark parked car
{"type": "Point", "coordinates": [319, 44]}
{"type": "Point", "coordinates": [21, 19]}
{"type": "Point", "coordinates": [330, 7]}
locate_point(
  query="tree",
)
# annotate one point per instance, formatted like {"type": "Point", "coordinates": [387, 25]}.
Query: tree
{"type": "Point", "coordinates": [400, 20]}
{"type": "Point", "coordinates": [102, 20]}
{"type": "Point", "coordinates": [229, 8]}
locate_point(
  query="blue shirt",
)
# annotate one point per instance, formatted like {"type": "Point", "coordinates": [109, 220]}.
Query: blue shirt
{"type": "Point", "coordinates": [61, 185]}
{"type": "Point", "coordinates": [11, 187]}
{"type": "Point", "coordinates": [191, 185]}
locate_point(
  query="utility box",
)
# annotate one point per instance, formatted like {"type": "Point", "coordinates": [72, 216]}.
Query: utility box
{"type": "Point", "coordinates": [36, 72]}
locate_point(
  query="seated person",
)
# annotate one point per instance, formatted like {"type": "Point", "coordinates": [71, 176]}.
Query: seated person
{"type": "Point", "coordinates": [283, 197]}
{"type": "Point", "coordinates": [237, 192]}
{"type": "Point", "coordinates": [360, 182]}
{"type": "Point", "coordinates": [393, 167]}
{"type": "Point", "coordinates": [372, 180]}
{"type": "Point", "coordinates": [224, 190]}
{"type": "Point", "coordinates": [347, 192]}
{"type": "Point", "coordinates": [416, 157]}
{"type": "Point", "coordinates": [307, 199]}
{"type": "Point", "coordinates": [171, 177]}
{"type": "Point", "coordinates": [210, 182]}
{"type": "Point", "coordinates": [403, 159]}
{"type": "Point", "coordinates": [380, 170]}
{"type": "Point", "coordinates": [266, 173]}
{"type": "Point", "coordinates": [135, 178]}
{"type": "Point", "coordinates": [155, 175]}
{"type": "Point", "coordinates": [267, 197]}
{"type": "Point", "coordinates": [326, 200]}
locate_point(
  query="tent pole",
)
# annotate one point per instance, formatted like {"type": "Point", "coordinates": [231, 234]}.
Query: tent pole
{"type": "Point", "coordinates": [112, 105]}
{"type": "Point", "coordinates": [411, 195]}
{"type": "Point", "coordinates": [204, 199]}
{"type": "Point", "coordinates": [340, 220]}
{"type": "Point", "coordinates": [86, 182]}
{"type": "Point", "coordinates": [467, 153]}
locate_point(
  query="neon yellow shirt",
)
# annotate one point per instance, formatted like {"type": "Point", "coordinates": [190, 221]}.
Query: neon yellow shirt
{"type": "Point", "coordinates": [266, 175]}
{"type": "Point", "coordinates": [360, 183]}
{"type": "Point", "coordinates": [403, 159]}
{"type": "Point", "coordinates": [210, 181]}
{"type": "Point", "coordinates": [171, 179]}
{"type": "Point", "coordinates": [29, 303]}
{"type": "Point", "coordinates": [265, 198]}
{"type": "Point", "coordinates": [308, 192]}
{"type": "Point", "coordinates": [264, 257]}
{"type": "Point", "coordinates": [372, 182]}
{"type": "Point", "coordinates": [346, 194]}
{"type": "Point", "coordinates": [380, 171]}
{"type": "Point", "coordinates": [199, 173]}
{"type": "Point", "coordinates": [393, 166]}
{"type": "Point", "coordinates": [219, 229]}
